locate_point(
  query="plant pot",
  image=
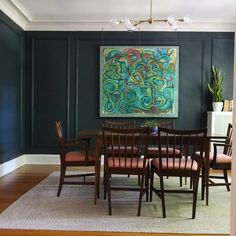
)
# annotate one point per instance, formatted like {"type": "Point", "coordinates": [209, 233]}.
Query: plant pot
{"type": "Point", "coordinates": [153, 129]}
{"type": "Point", "coordinates": [217, 106]}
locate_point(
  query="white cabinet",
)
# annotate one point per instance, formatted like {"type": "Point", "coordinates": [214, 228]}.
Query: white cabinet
{"type": "Point", "coordinates": [217, 122]}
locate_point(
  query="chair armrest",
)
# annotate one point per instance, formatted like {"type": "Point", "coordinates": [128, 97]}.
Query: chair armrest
{"type": "Point", "coordinates": [216, 145]}
{"type": "Point", "coordinates": [218, 140]}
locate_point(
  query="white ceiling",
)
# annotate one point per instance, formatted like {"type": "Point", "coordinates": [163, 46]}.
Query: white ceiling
{"type": "Point", "coordinates": [206, 15]}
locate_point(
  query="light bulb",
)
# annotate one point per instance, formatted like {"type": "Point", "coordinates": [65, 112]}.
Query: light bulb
{"type": "Point", "coordinates": [187, 19]}
{"type": "Point", "coordinates": [170, 20]}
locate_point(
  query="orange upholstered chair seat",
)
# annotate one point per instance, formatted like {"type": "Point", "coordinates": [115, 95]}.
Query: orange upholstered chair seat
{"type": "Point", "coordinates": [221, 158]}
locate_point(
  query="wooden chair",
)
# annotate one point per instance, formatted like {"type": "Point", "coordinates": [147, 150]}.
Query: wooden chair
{"type": "Point", "coordinates": [178, 142]}
{"type": "Point", "coordinates": [122, 152]}
{"type": "Point", "coordinates": [120, 124]}
{"type": "Point", "coordinates": [73, 153]}
{"type": "Point", "coordinates": [221, 159]}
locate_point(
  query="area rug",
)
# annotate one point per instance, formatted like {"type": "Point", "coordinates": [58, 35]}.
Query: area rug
{"type": "Point", "coordinates": [74, 210]}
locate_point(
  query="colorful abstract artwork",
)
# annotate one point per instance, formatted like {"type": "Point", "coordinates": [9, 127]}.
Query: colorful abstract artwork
{"type": "Point", "coordinates": [139, 81]}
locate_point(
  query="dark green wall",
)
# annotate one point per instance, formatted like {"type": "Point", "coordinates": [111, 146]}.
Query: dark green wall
{"type": "Point", "coordinates": [62, 78]}
{"type": "Point", "coordinates": [45, 76]}
{"type": "Point", "coordinates": [11, 89]}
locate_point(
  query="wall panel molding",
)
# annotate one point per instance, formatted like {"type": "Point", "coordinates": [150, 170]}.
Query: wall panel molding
{"type": "Point", "coordinates": [37, 71]}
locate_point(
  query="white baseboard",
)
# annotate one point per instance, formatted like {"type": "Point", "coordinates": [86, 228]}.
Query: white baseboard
{"type": "Point", "coordinates": [11, 165]}
{"type": "Point", "coordinates": [42, 159]}
{"type": "Point", "coordinates": [31, 159]}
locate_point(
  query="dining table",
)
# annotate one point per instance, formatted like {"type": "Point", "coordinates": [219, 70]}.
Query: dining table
{"type": "Point", "coordinates": [96, 134]}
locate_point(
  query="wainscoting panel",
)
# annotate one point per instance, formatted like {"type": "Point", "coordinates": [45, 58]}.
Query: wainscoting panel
{"type": "Point", "coordinates": [64, 79]}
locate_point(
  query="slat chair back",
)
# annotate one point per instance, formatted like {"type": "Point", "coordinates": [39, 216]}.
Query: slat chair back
{"type": "Point", "coordinates": [120, 124]}
{"type": "Point", "coordinates": [168, 125]}
{"type": "Point", "coordinates": [153, 149]}
{"type": "Point", "coordinates": [123, 147]}
{"type": "Point", "coordinates": [228, 141]}
{"type": "Point", "coordinates": [180, 143]}
{"type": "Point", "coordinates": [60, 139]}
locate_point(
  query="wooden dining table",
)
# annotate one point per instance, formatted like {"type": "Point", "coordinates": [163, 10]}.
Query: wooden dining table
{"type": "Point", "coordinates": [97, 135]}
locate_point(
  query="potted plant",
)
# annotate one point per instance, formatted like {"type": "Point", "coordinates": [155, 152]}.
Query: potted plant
{"type": "Point", "coordinates": [152, 125]}
{"type": "Point", "coordinates": [216, 88]}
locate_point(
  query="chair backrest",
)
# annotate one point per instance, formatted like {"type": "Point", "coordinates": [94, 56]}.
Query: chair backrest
{"type": "Point", "coordinates": [120, 124]}
{"type": "Point", "coordinates": [229, 134]}
{"type": "Point", "coordinates": [168, 125]}
{"type": "Point", "coordinates": [124, 146]}
{"type": "Point", "coordinates": [59, 137]}
{"type": "Point", "coordinates": [183, 149]}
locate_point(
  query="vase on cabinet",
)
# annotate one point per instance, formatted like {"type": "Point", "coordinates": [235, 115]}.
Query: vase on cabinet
{"type": "Point", "coordinates": [217, 106]}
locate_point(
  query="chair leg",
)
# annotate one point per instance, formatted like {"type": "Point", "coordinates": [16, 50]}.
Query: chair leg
{"type": "Point", "coordinates": [151, 184]}
{"type": "Point", "coordinates": [147, 176]}
{"type": "Point", "coordinates": [191, 183]}
{"type": "Point", "coordinates": [140, 195]}
{"type": "Point", "coordinates": [195, 190]}
{"type": "Point", "coordinates": [139, 180]}
{"type": "Point", "coordinates": [104, 184]}
{"type": "Point", "coordinates": [62, 176]}
{"type": "Point", "coordinates": [108, 189]}
{"type": "Point", "coordinates": [162, 197]}
{"type": "Point", "coordinates": [226, 179]}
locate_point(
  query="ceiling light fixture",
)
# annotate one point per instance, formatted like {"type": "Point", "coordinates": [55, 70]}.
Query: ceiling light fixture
{"type": "Point", "coordinates": [131, 25]}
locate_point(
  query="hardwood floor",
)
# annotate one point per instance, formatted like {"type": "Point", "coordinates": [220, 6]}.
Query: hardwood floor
{"type": "Point", "coordinates": [15, 184]}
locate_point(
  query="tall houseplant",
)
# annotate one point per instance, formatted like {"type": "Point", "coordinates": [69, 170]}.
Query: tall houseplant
{"type": "Point", "coordinates": [216, 88]}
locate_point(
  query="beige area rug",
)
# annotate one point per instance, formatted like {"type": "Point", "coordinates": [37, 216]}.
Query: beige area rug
{"type": "Point", "coordinates": [74, 210]}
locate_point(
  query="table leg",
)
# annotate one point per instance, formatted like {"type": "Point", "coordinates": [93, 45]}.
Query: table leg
{"type": "Point", "coordinates": [203, 179]}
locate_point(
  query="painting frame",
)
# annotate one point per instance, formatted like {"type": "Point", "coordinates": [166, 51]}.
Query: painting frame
{"type": "Point", "coordinates": [164, 70]}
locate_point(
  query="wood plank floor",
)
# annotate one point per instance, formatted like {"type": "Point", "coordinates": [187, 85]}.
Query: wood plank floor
{"type": "Point", "coordinates": [15, 184]}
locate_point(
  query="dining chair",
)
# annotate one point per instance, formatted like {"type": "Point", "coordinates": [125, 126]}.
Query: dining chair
{"type": "Point", "coordinates": [125, 154]}
{"type": "Point", "coordinates": [120, 125]}
{"type": "Point", "coordinates": [221, 159]}
{"type": "Point", "coordinates": [73, 153]}
{"type": "Point", "coordinates": [184, 143]}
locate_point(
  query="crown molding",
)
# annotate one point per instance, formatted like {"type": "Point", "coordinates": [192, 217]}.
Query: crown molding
{"type": "Point", "coordinates": [14, 13]}
{"type": "Point", "coordinates": [108, 26]}
{"type": "Point", "coordinates": [14, 10]}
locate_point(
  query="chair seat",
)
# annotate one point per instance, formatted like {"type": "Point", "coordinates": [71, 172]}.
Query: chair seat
{"type": "Point", "coordinates": [78, 156]}
{"type": "Point", "coordinates": [133, 163]}
{"type": "Point", "coordinates": [175, 164]}
{"type": "Point", "coordinates": [153, 151]}
{"type": "Point", "coordinates": [220, 159]}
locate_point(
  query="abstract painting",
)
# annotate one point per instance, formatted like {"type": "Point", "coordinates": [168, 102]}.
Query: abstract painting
{"type": "Point", "coordinates": [140, 81]}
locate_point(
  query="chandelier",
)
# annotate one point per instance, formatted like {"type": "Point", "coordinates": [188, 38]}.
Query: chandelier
{"type": "Point", "coordinates": [131, 25]}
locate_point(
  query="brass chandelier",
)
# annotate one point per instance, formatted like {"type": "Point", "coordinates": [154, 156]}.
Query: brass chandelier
{"type": "Point", "coordinates": [131, 25]}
